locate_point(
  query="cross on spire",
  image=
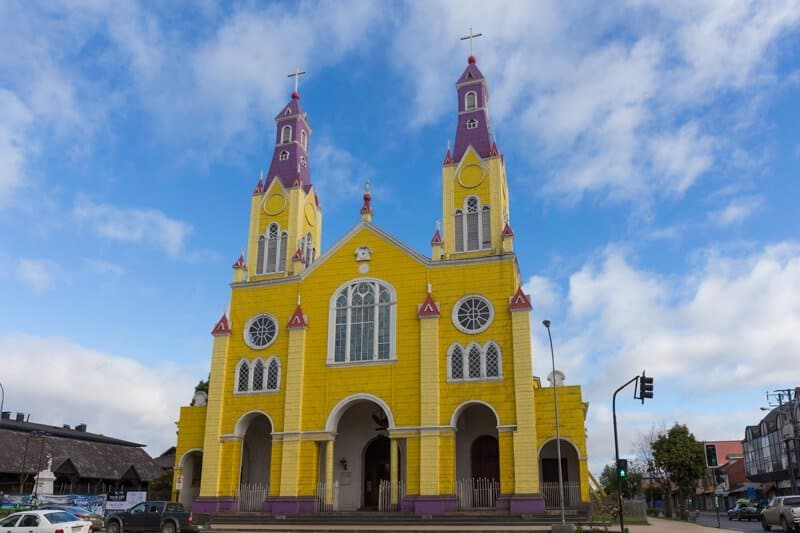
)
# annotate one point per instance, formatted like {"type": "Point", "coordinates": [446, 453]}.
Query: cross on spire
{"type": "Point", "coordinates": [470, 37]}
{"type": "Point", "coordinates": [296, 76]}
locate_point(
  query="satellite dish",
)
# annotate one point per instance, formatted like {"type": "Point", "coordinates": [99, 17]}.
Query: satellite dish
{"type": "Point", "coordinates": [556, 376]}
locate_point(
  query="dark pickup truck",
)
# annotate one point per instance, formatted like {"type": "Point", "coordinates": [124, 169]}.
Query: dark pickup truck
{"type": "Point", "coordinates": [166, 517]}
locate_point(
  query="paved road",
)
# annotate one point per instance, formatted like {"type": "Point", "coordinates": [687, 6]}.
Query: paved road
{"type": "Point", "coordinates": [710, 519]}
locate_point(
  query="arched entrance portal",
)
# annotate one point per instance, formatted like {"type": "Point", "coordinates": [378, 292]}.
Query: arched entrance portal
{"type": "Point", "coordinates": [477, 456]}
{"type": "Point", "coordinates": [256, 451]}
{"type": "Point", "coordinates": [362, 451]}
{"type": "Point", "coordinates": [570, 472]}
{"type": "Point", "coordinates": [191, 469]}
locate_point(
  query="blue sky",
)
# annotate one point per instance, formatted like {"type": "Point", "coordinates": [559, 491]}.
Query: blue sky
{"type": "Point", "coordinates": [652, 151]}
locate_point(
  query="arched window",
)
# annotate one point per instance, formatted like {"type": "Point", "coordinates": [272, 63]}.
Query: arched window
{"type": "Point", "coordinates": [362, 322]}
{"type": "Point", "coordinates": [258, 375]}
{"type": "Point", "coordinates": [470, 100]}
{"type": "Point", "coordinates": [473, 226]}
{"type": "Point", "coordinates": [472, 124]}
{"type": "Point", "coordinates": [273, 374]}
{"type": "Point", "coordinates": [272, 250]}
{"type": "Point", "coordinates": [474, 363]}
{"type": "Point", "coordinates": [284, 155]}
{"type": "Point", "coordinates": [286, 134]}
{"type": "Point", "coordinates": [304, 139]}
{"type": "Point", "coordinates": [243, 377]}
{"type": "Point", "coordinates": [308, 252]}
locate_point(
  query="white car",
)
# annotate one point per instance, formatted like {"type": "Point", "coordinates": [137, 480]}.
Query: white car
{"type": "Point", "coordinates": [46, 521]}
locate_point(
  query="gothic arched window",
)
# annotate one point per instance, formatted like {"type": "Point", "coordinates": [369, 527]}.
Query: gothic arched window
{"type": "Point", "coordinates": [242, 377]}
{"type": "Point", "coordinates": [271, 250]}
{"type": "Point", "coordinates": [258, 375]}
{"type": "Point", "coordinates": [304, 139]}
{"type": "Point", "coordinates": [273, 374]}
{"type": "Point", "coordinates": [470, 100]}
{"type": "Point", "coordinates": [362, 322]}
{"type": "Point", "coordinates": [286, 134]}
{"type": "Point", "coordinates": [308, 252]}
{"type": "Point", "coordinates": [474, 363]}
{"type": "Point", "coordinates": [473, 226]}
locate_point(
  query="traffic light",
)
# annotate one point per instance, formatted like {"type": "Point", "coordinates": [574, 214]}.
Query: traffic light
{"type": "Point", "coordinates": [645, 387]}
{"type": "Point", "coordinates": [622, 468]}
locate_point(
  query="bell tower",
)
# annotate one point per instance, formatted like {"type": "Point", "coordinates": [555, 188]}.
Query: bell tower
{"type": "Point", "coordinates": [474, 188]}
{"type": "Point", "coordinates": [285, 216]}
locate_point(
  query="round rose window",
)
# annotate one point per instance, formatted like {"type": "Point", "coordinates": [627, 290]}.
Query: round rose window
{"type": "Point", "coordinates": [260, 331]}
{"type": "Point", "coordinates": [472, 314]}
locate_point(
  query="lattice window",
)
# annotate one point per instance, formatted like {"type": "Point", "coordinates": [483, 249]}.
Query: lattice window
{"type": "Point", "coordinates": [475, 362]}
{"type": "Point", "coordinates": [362, 322]}
{"type": "Point", "coordinates": [492, 360]}
{"type": "Point", "coordinates": [457, 363]}
{"type": "Point", "coordinates": [258, 375]}
{"type": "Point", "coordinates": [273, 374]}
{"type": "Point", "coordinates": [243, 381]}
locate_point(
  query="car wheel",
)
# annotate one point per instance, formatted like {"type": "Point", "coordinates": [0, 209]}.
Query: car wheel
{"type": "Point", "coordinates": [764, 525]}
{"type": "Point", "coordinates": [168, 527]}
{"type": "Point", "coordinates": [113, 527]}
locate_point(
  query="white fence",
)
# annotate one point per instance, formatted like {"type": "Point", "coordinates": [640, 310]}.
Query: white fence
{"type": "Point", "coordinates": [572, 494]}
{"type": "Point", "coordinates": [250, 497]}
{"type": "Point", "coordinates": [321, 505]}
{"type": "Point", "coordinates": [385, 495]}
{"type": "Point", "coordinates": [477, 493]}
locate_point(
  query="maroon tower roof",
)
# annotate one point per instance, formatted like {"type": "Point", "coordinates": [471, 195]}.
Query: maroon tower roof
{"type": "Point", "coordinates": [473, 113]}
{"type": "Point", "coordinates": [292, 134]}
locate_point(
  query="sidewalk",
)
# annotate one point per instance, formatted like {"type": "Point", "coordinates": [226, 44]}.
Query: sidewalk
{"type": "Point", "coordinates": [659, 525]}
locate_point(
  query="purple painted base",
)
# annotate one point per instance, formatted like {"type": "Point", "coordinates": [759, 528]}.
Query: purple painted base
{"type": "Point", "coordinates": [289, 505]}
{"type": "Point", "coordinates": [429, 505]}
{"type": "Point", "coordinates": [503, 502]}
{"type": "Point", "coordinates": [213, 505]}
{"type": "Point", "coordinates": [526, 503]}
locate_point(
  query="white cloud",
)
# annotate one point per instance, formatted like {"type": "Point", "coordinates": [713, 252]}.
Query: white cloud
{"type": "Point", "coordinates": [135, 225]}
{"type": "Point", "coordinates": [39, 274]}
{"type": "Point", "coordinates": [339, 177]}
{"type": "Point", "coordinates": [731, 324]}
{"type": "Point", "coordinates": [738, 210]}
{"type": "Point", "coordinates": [114, 395]}
{"type": "Point", "coordinates": [15, 118]}
{"type": "Point", "coordinates": [103, 267]}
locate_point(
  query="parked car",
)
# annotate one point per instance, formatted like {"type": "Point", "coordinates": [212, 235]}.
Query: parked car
{"type": "Point", "coordinates": [744, 510]}
{"type": "Point", "coordinates": [166, 517]}
{"type": "Point", "coordinates": [782, 511]}
{"type": "Point", "coordinates": [46, 521]}
{"type": "Point", "coordinates": [84, 514]}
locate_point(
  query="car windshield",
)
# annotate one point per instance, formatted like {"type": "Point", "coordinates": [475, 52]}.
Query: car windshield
{"type": "Point", "coordinates": [59, 517]}
{"type": "Point", "coordinates": [792, 502]}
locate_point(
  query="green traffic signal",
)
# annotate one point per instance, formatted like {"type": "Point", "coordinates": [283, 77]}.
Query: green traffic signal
{"type": "Point", "coordinates": [622, 468]}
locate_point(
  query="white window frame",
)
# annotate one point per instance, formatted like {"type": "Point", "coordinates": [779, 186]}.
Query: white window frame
{"type": "Point", "coordinates": [304, 139]}
{"type": "Point", "coordinates": [250, 321]}
{"type": "Point", "coordinates": [472, 123]}
{"type": "Point", "coordinates": [467, 107]}
{"type": "Point", "coordinates": [465, 362]}
{"type": "Point", "coordinates": [331, 360]}
{"type": "Point", "coordinates": [465, 214]}
{"type": "Point", "coordinates": [284, 155]}
{"type": "Point", "coordinates": [284, 130]}
{"type": "Point", "coordinates": [457, 324]}
{"type": "Point", "coordinates": [263, 254]}
{"type": "Point", "coordinates": [251, 367]}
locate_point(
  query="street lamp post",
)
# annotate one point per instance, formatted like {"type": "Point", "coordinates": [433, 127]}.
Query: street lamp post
{"type": "Point", "coordinates": [558, 432]}
{"type": "Point", "coordinates": [2, 399]}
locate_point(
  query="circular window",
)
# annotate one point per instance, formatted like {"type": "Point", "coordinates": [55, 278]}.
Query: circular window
{"type": "Point", "coordinates": [472, 314]}
{"type": "Point", "coordinates": [260, 331]}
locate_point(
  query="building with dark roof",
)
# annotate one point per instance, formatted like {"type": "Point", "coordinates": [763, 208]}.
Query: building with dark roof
{"type": "Point", "coordinates": [83, 462]}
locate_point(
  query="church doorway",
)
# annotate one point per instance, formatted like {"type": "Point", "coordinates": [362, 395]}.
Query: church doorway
{"type": "Point", "coordinates": [477, 456]}
{"type": "Point", "coordinates": [256, 431]}
{"type": "Point", "coordinates": [362, 452]}
{"type": "Point", "coordinates": [377, 468]}
{"type": "Point", "coordinates": [570, 473]}
{"type": "Point", "coordinates": [191, 466]}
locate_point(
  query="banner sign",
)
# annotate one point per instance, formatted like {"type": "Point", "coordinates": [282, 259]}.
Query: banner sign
{"type": "Point", "coordinates": [122, 502]}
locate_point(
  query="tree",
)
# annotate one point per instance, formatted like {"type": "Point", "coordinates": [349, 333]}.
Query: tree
{"type": "Point", "coordinates": [657, 477]}
{"type": "Point", "coordinates": [679, 454]}
{"type": "Point", "coordinates": [631, 484]}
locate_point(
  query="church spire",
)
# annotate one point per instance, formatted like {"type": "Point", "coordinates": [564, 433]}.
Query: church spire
{"type": "Point", "coordinates": [473, 109]}
{"type": "Point", "coordinates": [290, 162]}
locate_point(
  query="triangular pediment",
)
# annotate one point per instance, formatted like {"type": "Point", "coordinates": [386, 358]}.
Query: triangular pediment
{"type": "Point", "coordinates": [471, 157]}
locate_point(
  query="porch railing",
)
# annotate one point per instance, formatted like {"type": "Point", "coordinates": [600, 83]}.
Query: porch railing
{"type": "Point", "coordinates": [321, 506]}
{"type": "Point", "coordinates": [250, 497]}
{"type": "Point", "coordinates": [385, 495]}
{"type": "Point", "coordinates": [572, 494]}
{"type": "Point", "coordinates": [477, 493]}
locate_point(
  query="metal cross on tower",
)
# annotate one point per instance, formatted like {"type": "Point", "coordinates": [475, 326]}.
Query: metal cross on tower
{"type": "Point", "coordinates": [296, 76]}
{"type": "Point", "coordinates": [470, 37]}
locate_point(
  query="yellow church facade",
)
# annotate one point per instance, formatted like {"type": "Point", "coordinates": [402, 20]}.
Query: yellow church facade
{"type": "Point", "coordinates": [370, 376]}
